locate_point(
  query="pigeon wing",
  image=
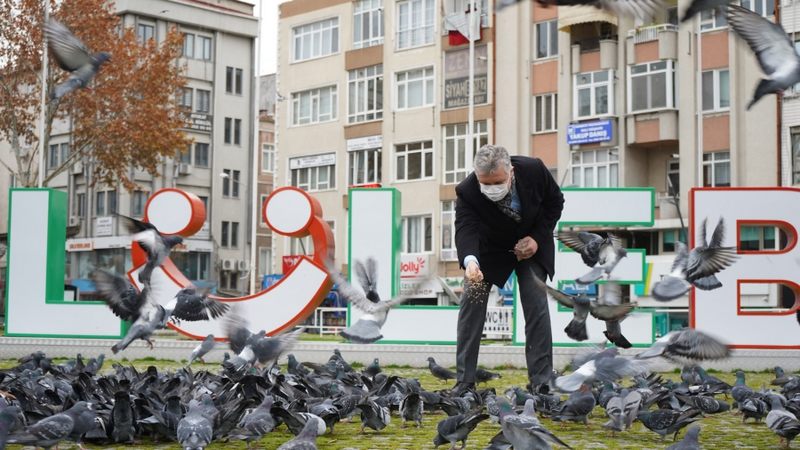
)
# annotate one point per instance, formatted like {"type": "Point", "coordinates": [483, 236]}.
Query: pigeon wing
{"type": "Point", "coordinates": [58, 426]}
{"type": "Point", "coordinates": [564, 299]}
{"type": "Point", "coordinates": [577, 240]}
{"type": "Point", "coordinates": [681, 257]}
{"type": "Point", "coordinates": [134, 225]}
{"type": "Point", "coordinates": [770, 43]}
{"type": "Point", "coordinates": [194, 307]}
{"type": "Point", "coordinates": [693, 344]}
{"type": "Point", "coordinates": [235, 327]}
{"type": "Point", "coordinates": [361, 275]}
{"type": "Point", "coordinates": [353, 295]}
{"type": "Point", "coordinates": [611, 312]}
{"type": "Point", "coordinates": [70, 53]}
{"type": "Point", "coordinates": [719, 234]}
{"type": "Point", "coordinates": [119, 294]}
{"type": "Point", "coordinates": [703, 262]}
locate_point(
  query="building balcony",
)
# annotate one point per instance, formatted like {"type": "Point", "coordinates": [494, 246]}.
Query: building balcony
{"type": "Point", "coordinates": [652, 43]}
{"type": "Point", "coordinates": [652, 128]}
{"type": "Point", "coordinates": [593, 55]}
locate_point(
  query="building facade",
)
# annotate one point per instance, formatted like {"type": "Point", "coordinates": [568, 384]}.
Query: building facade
{"type": "Point", "coordinates": [375, 93]}
{"type": "Point", "coordinates": [266, 173]}
{"type": "Point", "coordinates": [218, 59]}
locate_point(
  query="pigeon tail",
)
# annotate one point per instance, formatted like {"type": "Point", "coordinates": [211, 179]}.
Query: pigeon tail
{"type": "Point", "coordinates": [593, 275]}
{"type": "Point", "coordinates": [363, 332]}
{"type": "Point", "coordinates": [669, 288]}
{"type": "Point", "coordinates": [708, 283]}
{"type": "Point", "coordinates": [618, 339]}
{"type": "Point", "coordinates": [576, 330]}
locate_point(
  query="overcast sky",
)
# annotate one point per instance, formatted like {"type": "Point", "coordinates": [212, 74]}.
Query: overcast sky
{"type": "Point", "coordinates": [269, 34]}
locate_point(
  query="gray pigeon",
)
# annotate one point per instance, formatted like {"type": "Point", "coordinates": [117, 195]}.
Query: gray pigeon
{"type": "Point", "coordinates": [630, 407]}
{"type": "Point", "coordinates": [773, 48]}
{"type": "Point", "coordinates": [483, 376]}
{"type": "Point", "coordinates": [123, 419]}
{"type": "Point", "coordinates": [523, 431]}
{"type": "Point", "coordinates": [193, 306]}
{"type": "Point", "coordinates": [195, 430]}
{"type": "Point", "coordinates": [367, 328]}
{"type": "Point", "coordinates": [782, 422]}
{"type": "Point", "coordinates": [667, 421]}
{"type": "Point", "coordinates": [156, 245]}
{"type": "Point", "coordinates": [457, 428]}
{"type": "Point", "coordinates": [256, 347]}
{"type": "Point", "coordinates": [698, 267]}
{"type": "Point", "coordinates": [603, 366]}
{"type": "Point", "coordinates": [440, 372]}
{"type": "Point", "coordinates": [686, 344]}
{"type": "Point", "coordinates": [71, 55]}
{"type": "Point", "coordinates": [616, 422]}
{"type": "Point", "coordinates": [411, 408]}
{"type": "Point", "coordinates": [49, 431]}
{"type": "Point", "coordinates": [201, 350]}
{"type": "Point", "coordinates": [577, 407]}
{"type": "Point", "coordinates": [599, 253]}
{"type": "Point", "coordinates": [373, 415]}
{"type": "Point", "coordinates": [306, 440]}
{"type": "Point", "coordinates": [641, 9]}
{"type": "Point", "coordinates": [258, 423]}
{"type": "Point", "coordinates": [8, 421]}
{"type": "Point", "coordinates": [690, 440]}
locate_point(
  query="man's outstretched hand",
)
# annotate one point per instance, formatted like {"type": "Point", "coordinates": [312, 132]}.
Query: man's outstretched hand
{"type": "Point", "coordinates": [473, 272]}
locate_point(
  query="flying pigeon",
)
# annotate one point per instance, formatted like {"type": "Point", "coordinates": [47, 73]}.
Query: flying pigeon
{"type": "Point", "coordinates": [686, 344]}
{"type": "Point", "coordinates": [602, 366]}
{"type": "Point", "coordinates": [156, 245]}
{"type": "Point", "coordinates": [71, 55]}
{"type": "Point", "coordinates": [201, 350]}
{"type": "Point", "coordinates": [192, 306]}
{"type": "Point", "coordinates": [367, 328]}
{"type": "Point", "coordinates": [641, 9]}
{"type": "Point", "coordinates": [696, 267]}
{"type": "Point", "coordinates": [256, 347]}
{"type": "Point", "coordinates": [599, 253]}
{"type": "Point", "coordinates": [773, 48]}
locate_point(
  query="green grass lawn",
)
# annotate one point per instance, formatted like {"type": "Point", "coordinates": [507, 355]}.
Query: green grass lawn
{"type": "Point", "coordinates": [721, 431]}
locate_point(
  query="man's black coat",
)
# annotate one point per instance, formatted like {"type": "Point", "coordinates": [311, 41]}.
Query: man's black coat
{"type": "Point", "coordinates": [483, 230]}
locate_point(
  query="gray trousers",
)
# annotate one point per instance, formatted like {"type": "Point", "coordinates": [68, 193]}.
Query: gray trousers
{"type": "Point", "coordinates": [538, 338]}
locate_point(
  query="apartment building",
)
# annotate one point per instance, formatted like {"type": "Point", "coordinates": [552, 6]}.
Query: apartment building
{"type": "Point", "coordinates": [266, 171]}
{"type": "Point", "coordinates": [218, 56]}
{"type": "Point", "coordinates": [374, 93]}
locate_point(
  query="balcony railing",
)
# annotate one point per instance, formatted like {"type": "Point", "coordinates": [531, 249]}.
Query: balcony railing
{"type": "Point", "coordinates": [650, 33]}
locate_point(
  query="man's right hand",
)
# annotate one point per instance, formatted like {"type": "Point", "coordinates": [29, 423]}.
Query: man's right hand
{"type": "Point", "coordinates": [473, 272]}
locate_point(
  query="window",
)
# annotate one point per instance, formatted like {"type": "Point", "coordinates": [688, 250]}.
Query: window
{"type": "Point", "coordinates": [547, 39]}
{"type": "Point", "coordinates": [224, 235]}
{"type": "Point", "coordinates": [651, 86]}
{"type": "Point", "coordinates": [414, 161]}
{"type": "Point", "coordinates": [145, 32]}
{"type": "Point", "coordinates": [228, 130]}
{"type": "Point", "coordinates": [138, 200]}
{"type": "Point", "coordinates": [188, 45]}
{"type": "Point", "coordinates": [229, 280]}
{"type": "Point", "coordinates": [595, 168]}
{"type": "Point", "coordinates": [230, 183]}
{"type": "Point", "coordinates": [367, 23]}
{"type": "Point", "coordinates": [364, 167]}
{"type": "Point", "coordinates": [668, 239]}
{"type": "Point", "coordinates": [455, 149]}
{"type": "Point", "coordinates": [233, 80]}
{"type": "Point", "coordinates": [448, 243]}
{"type": "Point", "coordinates": [594, 94]}
{"type": "Point", "coordinates": [795, 135]}
{"type": "Point", "coordinates": [417, 234]}
{"type": "Point", "coordinates": [234, 234]}
{"type": "Point", "coordinates": [415, 20]}
{"type": "Point", "coordinates": [203, 101]}
{"type": "Point", "coordinates": [716, 90]}
{"type": "Point", "coordinates": [713, 19]}
{"type": "Point", "coordinates": [314, 106]}
{"type": "Point", "coordinates": [192, 264]}
{"type": "Point", "coordinates": [545, 112]}
{"type": "Point", "coordinates": [203, 48]}
{"type": "Point", "coordinates": [674, 177]}
{"type": "Point", "coordinates": [57, 155]}
{"type": "Point", "coordinates": [314, 173]}
{"type": "Point", "coordinates": [105, 203]}
{"type": "Point", "coordinates": [264, 261]}
{"type": "Point", "coordinates": [237, 131]}
{"type": "Point", "coordinates": [764, 8]}
{"type": "Point", "coordinates": [757, 238]}
{"type": "Point", "coordinates": [717, 169]}
{"type": "Point", "coordinates": [235, 184]}
{"type": "Point", "coordinates": [301, 246]}
{"type": "Point", "coordinates": [186, 98]}
{"type": "Point", "coordinates": [267, 157]}
{"type": "Point", "coordinates": [201, 154]}
{"type": "Point", "coordinates": [365, 94]}
{"type": "Point", "coordinates": [414, 88]}
{"type": "Point", "coordinates": [80, 204]}
{"type": "Point", "coordinates": [316, 39]}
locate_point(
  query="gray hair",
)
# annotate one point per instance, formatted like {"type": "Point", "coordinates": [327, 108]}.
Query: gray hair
{"type": "Point", "coordinates": [490, 158]}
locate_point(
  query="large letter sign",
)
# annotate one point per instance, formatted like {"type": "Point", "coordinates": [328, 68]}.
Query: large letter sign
{"type": "Point", "coordinates": [599, 207]}
{"type": "Point", "coordinates": [288, 211]}
{"type": "Point", "coordinates": [720, 311]}
{"type": "Point", "coordinates": [35, 305]}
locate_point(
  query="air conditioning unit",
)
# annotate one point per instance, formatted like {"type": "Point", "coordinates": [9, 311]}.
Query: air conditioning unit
{"type": "Point", "coordinates": [74, 221]}
{"type": "Point", "coordinates": [184, 169]}
{"type": "Point", "coordinates": [242, 266]}
{"type": "Point", "coordinates": [77, 168]}
{"type": "Point", "coordinates": [227, 264]}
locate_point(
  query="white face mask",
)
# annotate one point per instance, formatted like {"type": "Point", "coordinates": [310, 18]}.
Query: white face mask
{"type": "Point", "coordinates": [495, 192]}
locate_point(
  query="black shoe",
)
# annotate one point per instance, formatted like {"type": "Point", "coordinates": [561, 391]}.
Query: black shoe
{"type": "Point", "coordinates": [460, 388]}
